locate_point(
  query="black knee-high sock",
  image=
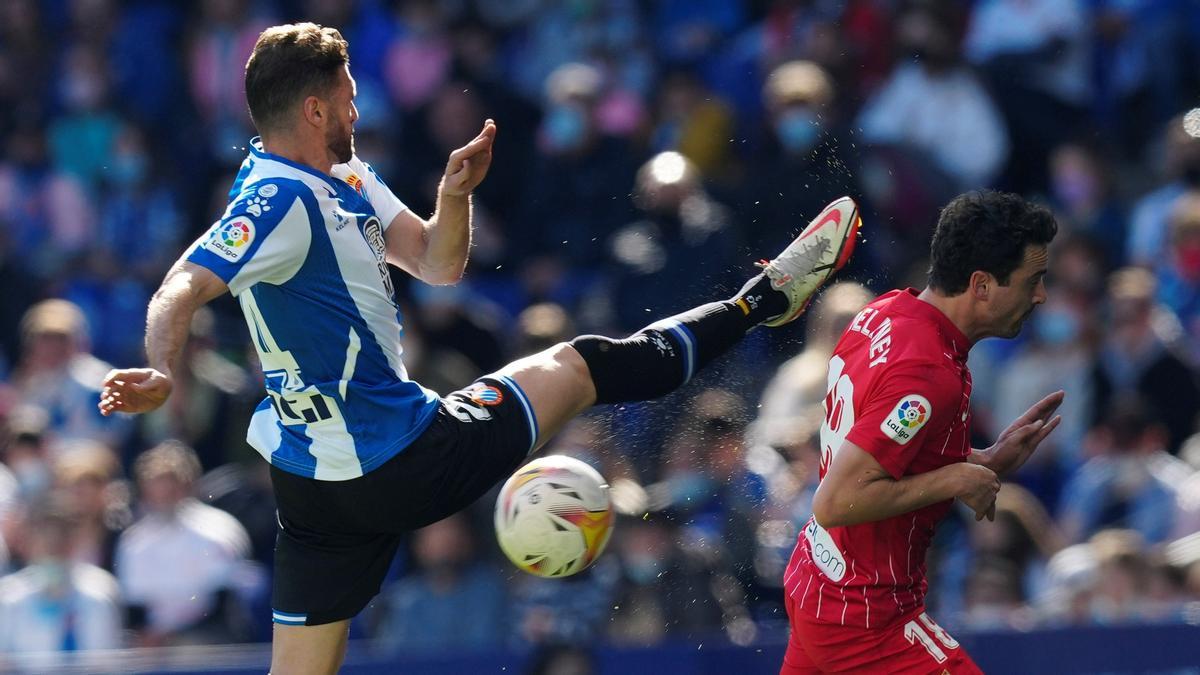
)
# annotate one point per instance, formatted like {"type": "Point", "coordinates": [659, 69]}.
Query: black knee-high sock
{"type": "Point", "coordinates": [664, 355]}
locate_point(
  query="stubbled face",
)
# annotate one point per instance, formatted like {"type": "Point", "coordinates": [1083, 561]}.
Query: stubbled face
{"type": "Point", "coordinates": [1010, 306]}
{"type": "Point", "coordinates": [339, 134]}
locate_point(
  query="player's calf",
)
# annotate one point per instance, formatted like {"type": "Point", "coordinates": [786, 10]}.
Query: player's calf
{"type": "Point", "coordinates": [662, 356]}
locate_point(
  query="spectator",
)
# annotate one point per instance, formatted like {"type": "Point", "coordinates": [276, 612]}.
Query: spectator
{"type": "Point", "coordinates": [1186, 518]}
{"type": "Point", "coordinates": [27, 452]}
{"type": "Point", "coordinates": [1082, 188]}
{"type": "Point", "coordinates": [683, 234]}
{"type": "Point", "coordinates": [994, 597]}
{"type": "Point", "coordinates": [797, 389]}
{"type": "Point", "coordinates": [455, 110]}
{"type": "Point", "coordinates": [81, 140]}
{"type": "Point", "coordinates": [1141, 355]}
{"type": "Point", "coordinates": [1035, 58]}
{"type": "Point", "coordinates": [571, 610]}
{"type": "Point", "coordinates": [1122, 577]}
{"type": "Point", "coordinates": [139, 197]}
{"type": "Point", "coordinates": [540, 327]}
{"type": "Point", "coordinates": [1179, 271]}
{"type": "Point", "coordinates": [58, 374]}
{"type": "Point", "coordinates": [424, 610]}
{"type": "Point", "coordinates": [571, 201]}
{"type": "Point", "coordinates": [1023, 537]}
{"type": "Point", "coordinates": [54, 604]}
{"type": "Point", "coordinates": [86, 476]}
{"type": "Point", "coordinates": [454, 319]}
{"type": "Point", "coordinates": [1060, 353]}
{"type": "Point", "coordinates": [221, 40]}
{"type": "Point", "coordinates": [179, 564]}
{"type": "Point", "coordinates": [46, 211]}
{"type": "Point", "coordinates": [935, 106]}
{"type": "Point", "coordinates": [1148, 225]}
{"type": "Point", "coordinates": [20, 292]}
{"type": "Point", "coordinates": [694, 121]}
{"type": "Point", "coordinates": [805, 144]}
{"type": "Point", "coordinates": [1130, 481]}
{"type": "Point", "coordinates": [790, 468]}
{"type": "Point", "coordinates": [709, 489]}
{"type": "Point", "coordinates": [1141, 48]}
{"type": "Point", "coordinates": [243, 490]}
{"type": "Point", "coordinates": [667, 592]}
{"type": "Point", "coordinates": [419, 59]}
{"type": "Point", "coordinates": [1065, 600]}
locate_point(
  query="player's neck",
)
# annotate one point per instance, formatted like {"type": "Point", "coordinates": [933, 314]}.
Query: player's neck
{"type": "Point", "coordinates": [957, 309]}
{"type": "Point", "coordinates": [300, 151]}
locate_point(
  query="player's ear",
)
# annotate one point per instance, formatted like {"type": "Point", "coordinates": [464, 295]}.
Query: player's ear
{"type": "Point", "coordinates": [314, 110]}
{"type": "Point", "coordinates": [980, 285]}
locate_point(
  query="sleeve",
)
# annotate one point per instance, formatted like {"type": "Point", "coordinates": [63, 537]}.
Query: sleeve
{"type": "Point", "coordinates": [385, 202]}
{"type": "Point", "coordinates": [911, 404]}
{"type": "Point", "coordinates": [264, 236]}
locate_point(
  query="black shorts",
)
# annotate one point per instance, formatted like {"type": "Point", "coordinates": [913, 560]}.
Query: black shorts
{"type": "Point", "coordinates": [337, 538]}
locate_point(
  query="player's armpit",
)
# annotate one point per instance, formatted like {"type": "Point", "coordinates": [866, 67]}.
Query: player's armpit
{"type": "Point", "coordinates": [858, 489]}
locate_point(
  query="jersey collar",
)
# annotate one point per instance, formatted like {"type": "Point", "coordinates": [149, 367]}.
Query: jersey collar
{"type": "Point", "coordinates": [256, 149]}
{"type": "Point", "coordinates": [954, 338]}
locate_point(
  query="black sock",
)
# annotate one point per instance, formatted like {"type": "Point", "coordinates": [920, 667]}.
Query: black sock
{"type": "Point", "coordinates": [758, 301]}
{"type": "Point", "coordinates": [664, 355]}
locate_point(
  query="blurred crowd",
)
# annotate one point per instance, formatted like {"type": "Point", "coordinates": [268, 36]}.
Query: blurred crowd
{"type": "Point", "coordinates": [649, 151]}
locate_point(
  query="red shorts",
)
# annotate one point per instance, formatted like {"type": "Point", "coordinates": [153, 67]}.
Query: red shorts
{"type": "Point", "coordinates": [914, 644]}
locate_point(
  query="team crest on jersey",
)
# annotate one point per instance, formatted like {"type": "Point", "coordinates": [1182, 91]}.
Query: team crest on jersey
{"type": "Point", "coordinates": [232, 239]}
{"type": "Point", "coordinates": [907, 418]}
{"type": "Point", "coordinates": [373, 231]}
{"type": "Point", "coordinates": [485, 394]}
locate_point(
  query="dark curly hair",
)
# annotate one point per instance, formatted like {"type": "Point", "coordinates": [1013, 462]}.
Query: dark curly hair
{"type": "Point", "coordinates": [986, 231]}
{"type": "Point", "coordinates": [289, 63]}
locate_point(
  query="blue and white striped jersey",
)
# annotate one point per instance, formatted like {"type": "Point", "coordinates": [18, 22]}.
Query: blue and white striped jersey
{"type": "Point", "coordinates": [304, 254]}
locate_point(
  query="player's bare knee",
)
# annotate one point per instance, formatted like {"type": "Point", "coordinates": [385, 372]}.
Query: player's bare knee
{"type": "Point", "coordinates": [575, 369]}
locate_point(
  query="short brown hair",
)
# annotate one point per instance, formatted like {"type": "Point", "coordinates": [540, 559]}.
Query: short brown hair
{"type": "Point", "coordinates": [172, 458]}
{"type": "Point", "coordinates": [291, 62]}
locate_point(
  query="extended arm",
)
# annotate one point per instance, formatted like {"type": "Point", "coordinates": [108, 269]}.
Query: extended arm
{"type": "Point", "coordinates": [435, 250]}
{"type": "Point", "coordinates": [185, 289]}
{"type": "Point", "coordinates": [857, 489]}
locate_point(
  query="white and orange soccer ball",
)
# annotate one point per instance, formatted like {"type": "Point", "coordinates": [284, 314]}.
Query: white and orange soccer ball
{"type": "Point", "coordinates": [554, 516]}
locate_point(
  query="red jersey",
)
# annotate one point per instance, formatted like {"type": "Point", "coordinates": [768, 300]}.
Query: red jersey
{"type": "Point", "coordinates": [898, 388]}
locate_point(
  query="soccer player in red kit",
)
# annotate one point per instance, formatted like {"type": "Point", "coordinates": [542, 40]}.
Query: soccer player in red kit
{"type": "Point", "coordinates": [896, 447]}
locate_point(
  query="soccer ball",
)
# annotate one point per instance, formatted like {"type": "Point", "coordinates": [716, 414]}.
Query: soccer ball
{"type": "Point", "coordinates": [554, 516]}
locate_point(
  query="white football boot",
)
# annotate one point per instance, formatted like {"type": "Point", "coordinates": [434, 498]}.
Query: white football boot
{"type": "Point", "coordinates": [821, 249]}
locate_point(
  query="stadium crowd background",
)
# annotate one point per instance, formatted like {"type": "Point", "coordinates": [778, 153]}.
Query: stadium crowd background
{"type": "Point", "coordinates": [122, 124]}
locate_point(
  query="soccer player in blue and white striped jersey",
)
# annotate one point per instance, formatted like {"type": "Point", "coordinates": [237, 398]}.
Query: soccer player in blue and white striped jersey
{"type": "Point", "coordinates": [359, 453]}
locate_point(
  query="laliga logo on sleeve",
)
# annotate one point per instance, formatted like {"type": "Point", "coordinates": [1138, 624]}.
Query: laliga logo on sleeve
{"type": "Point", "coordinates": [232, 239]}
{"type": "Point", "coordinates": [909, 415]}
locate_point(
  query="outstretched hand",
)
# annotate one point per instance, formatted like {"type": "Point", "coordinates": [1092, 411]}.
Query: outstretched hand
{"type": "Point", "coordinates": [469, 164]}
{"type": "Point", "coordinates": [1021, 438]}
{"type": "Point", "coordinates": [133, 390]}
